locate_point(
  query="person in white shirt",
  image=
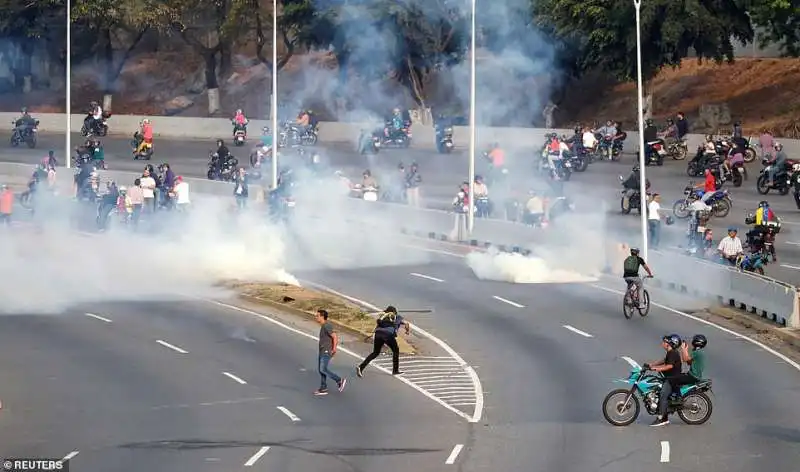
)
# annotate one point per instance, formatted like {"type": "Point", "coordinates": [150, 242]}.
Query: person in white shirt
{"type": "Point", "coordinates": [534, 210]}
{"type": "Point", "coordinates": [731, 246]}
{"type": "Point", "coordinates": [589, 139]}
{"type": "Point", "coordinates": [481, 190]}
{"type": "Point", "coordinates": [181, 194]}
{"type": "Point", "coordinates": [148, 184]}
{"type": "Point", "coordinates": [654, 220]}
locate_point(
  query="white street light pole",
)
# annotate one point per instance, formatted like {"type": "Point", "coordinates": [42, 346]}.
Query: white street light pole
{"type": "Point", "coordinates": [68, 108]}
{"type": "Point", "coordinates": [274, 94]}
{"type": "Point", "coordinates": [642, 177]}
{"type": "Point", "coordinates": [472, 128]}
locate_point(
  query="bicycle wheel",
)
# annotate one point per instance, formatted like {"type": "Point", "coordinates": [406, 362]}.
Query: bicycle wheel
{"type": "Point", "coordinates": [627, 305]}
{"type": "Point", "coordinates": [644, 311]}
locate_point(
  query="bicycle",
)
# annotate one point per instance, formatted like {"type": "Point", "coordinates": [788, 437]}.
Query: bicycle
{"type": "Point", "coordinates": [631, 300]}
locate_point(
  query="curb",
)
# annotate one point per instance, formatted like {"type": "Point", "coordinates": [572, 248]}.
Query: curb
{"type": "Point", "coordinates": [364, 335]}
{"type": "Point", "coordinates": [759, 323]}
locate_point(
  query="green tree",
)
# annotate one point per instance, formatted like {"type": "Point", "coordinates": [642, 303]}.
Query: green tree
{"type": "Point", "coordinates": [29, 24]}
{"type": "Point", "coordinates": [116, 28]}
{"type": "Point", "coordinates": [780, 21]}
{"type": "Point", "coordinates": [604, 32]}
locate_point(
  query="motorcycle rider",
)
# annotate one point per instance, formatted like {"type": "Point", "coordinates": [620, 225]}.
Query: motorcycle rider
{"type": "Point", "coordinates": [709, 186]}
{"type": "Point", "coordinates": [461, 201]}
{"type": "Point", "coordinates": [146, 136]}
{"type": "Point", "coordinates": [738, 135]}
{"type": "Point", "coordinates": [239, 121]}
{"type": "Point", "coordinates": [25, 123]}
{"type": "Point", "coordinates": [608, 130]}
{"type": "Point", "coordinates": [96, 116]}
{"type": "Point", "coordinates": [395, 124]}
{"type": "Point", "coordinates": [756, 236]}
{"type": "Point", "coordinates": [671, 133]}
{"type": "Point", "coordinates": [796, 184]}
{"type": "Point", "coordinates": [670, 367]}
{"type": "Point", "coordinates": [632, 185]}
{"type": "Point", "coordinates": [695, 359]}
{"type": "Point", "coordinates": [778, 164]}
{"type": "Point", "coordinates": [555, 151]}
{"type": "Point", "coordinates": [496, 156]}
{"type": "Point", "coordinates": [650, 137]}
{"type": "Point", "coordinates": [221, 156]}
{"type": "Point", "coordinates": [589, 140]}
{"type": "Point", "coordinates": [630, 273]}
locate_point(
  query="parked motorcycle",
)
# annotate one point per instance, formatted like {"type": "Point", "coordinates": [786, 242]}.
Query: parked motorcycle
{"type": "Point", "coordinates": [24, 134]}
{"type": "Point", "coordinates": [621, 407]}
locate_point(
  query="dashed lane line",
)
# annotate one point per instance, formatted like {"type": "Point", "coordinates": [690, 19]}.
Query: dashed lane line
{"type": "Point", "coordinates": [234, 378]}
{"type": "Point", "coordinates": [288, 413]}
{"type": "Point", "coordinates": [508, 302]}
{"type": "Point", "coordinates": [664, 451]}
{"type": "Point", "coordinates": [451, 459]}
{"type": "Point", "coordinates": [70, 456]}
{"type": "Point", "coordinates": [577, 331]}
{"type": "Point", "coordinates": [98, 317]}
{"type": "Point", "coordinates": [171, 346]}
{"type": "Point", "coordinates": [426, 277]}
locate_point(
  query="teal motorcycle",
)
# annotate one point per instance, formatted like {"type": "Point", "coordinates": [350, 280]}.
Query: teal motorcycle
{"type": "Point", "coordinates": [621, 406]}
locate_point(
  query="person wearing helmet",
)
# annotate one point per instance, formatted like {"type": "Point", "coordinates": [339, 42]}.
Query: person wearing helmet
{"type": "Point", "coordinates": [630, 273]}
{"type": "Point", "coordinates": [696, 359]}
{"type": "Point", "coordinates": [670, 367]}
{"type": "Point", "coordinates": [730, 247]}
{"type": "Point", "coordinates": [632, 185]}
{"type": "Point", "coordinates": [95, 116]}
{"type": "Point", "coordinates": [25, 122]}
{"type": "Point", "coordinates": [146, 134]}
{"type": "Point", "coordinates": [778, 164]}
{"type": "Point", "coordinates": [239, 121]}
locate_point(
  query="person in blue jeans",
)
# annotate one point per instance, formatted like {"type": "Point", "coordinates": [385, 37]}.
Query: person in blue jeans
{"type": "Point", "coordinates": [328, 342]}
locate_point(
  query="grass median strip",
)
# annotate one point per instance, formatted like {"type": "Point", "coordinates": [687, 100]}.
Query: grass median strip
{"type": "Point", "coordinates": [305, 302]}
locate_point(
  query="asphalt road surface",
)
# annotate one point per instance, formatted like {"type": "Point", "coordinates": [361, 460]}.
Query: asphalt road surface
{"type": "Point", "coordinates": [107, 382]}
{"type": "Point", "coordinates": [596, 190]}
{"type": "Point", "coordinates": [548, 354]}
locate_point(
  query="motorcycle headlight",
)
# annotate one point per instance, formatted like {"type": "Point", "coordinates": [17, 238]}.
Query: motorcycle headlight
{"type": "Point", "coordinates": [448, 130]}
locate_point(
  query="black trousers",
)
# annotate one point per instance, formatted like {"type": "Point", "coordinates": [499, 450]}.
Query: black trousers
{"type": "Point", "coordinates": [380, 340]}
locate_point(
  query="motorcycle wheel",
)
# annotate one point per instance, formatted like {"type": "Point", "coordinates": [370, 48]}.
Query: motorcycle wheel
{"type": "Point", "coordinates": [737, 179]}
{"type": "Point", "coordinates": [680, 209]}
{"type": "Point", "coordinates": [692, 170]}
{"type": "Point", "coordinates": [749, 155]}
{"type": "Point", "coordinates": [721, 208]}
{"type": "Point", "coordinates": [783, 190]}
{"type": "Point", "coordinates": [310, 139]}
{"type": "Point", "coordinates": [622, 208]}
{"type": "Point", "coordinates": [679, 153]}
{"type": "Point", "coordinates": [14, 142]}
{"type": "Point", "coordinates": [32, 141]}
{"type": "Point", "coordinates": [584, 164]}
{"type": "Point", "coordinates": [615, 401]}
{"type": "Point", "coordinates": [762, 186]}
{"type": "Point", "coordinates": [565, 175]}
{"type": "Point", "coordinates": [696, 408]}
{"type": "Point", "coordinates": [210, 174]}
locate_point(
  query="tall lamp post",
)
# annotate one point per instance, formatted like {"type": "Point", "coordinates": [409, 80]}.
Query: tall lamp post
{"type": "Point", "coordinates": [274, 94]}
{"type": "Point", "coordinates": [472, 128]}
{"type": "Point", "coordinates": [637, 4]}
{"type": "Point", "coordinates": [68, 108]}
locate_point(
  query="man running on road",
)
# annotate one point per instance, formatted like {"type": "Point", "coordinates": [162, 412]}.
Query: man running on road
{"type": "Point", "coordinates": [387, 325]}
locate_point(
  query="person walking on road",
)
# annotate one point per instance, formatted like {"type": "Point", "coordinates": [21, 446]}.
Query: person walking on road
{"type": "Point", "coordinates": [6, 204]}
{"type": "Point", "coordinates": [388, 323]}
{"type": "Point", "coordinates": [328, 342]}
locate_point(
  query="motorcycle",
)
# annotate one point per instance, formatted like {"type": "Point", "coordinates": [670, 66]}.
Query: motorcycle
{"type": "Point", "coordinates": [656, 154]}
{"type": "Point", "coordinates": [622, 406]}
{"type": "Point", "coordinates": [720, 203]}
{"type": "Point", "coordinates": [737, 175]}
{"type": "Point", "coordinates": [368, 194]}
{"type": "Point", "coordinates": [782, 179]}
{"type": "Point", "coordinates": [239, 134]}
{"type": "Point", "coordinates": [146, 153]}
{"type": "Point", "coordinates": [563, 170]}
{"type": "Point", "coordinates": [399, 138]}
{"type": "Point", "coordinates": [24, 134]}
{"type": "Point", "coordinates": [634, 201]}
{"type": "Point", "coordinates": [225, 171]}
{"type": "Point", "coordinates": [607, 148]}
{"type": "Point", "coordinates": [291, 135]}
{"type": "Point", "coordinates": [678, 150]}
{"type": "Point", "coordinates": [444, 139]}
{"type": "Point", "coordinates": [753, 262]}
{"type": "Point", "coordinates": [92, 128]}
{"type": "Point", "coordinates": [369, 142]}
{"type": "Point", "coordinates": [579, 161]}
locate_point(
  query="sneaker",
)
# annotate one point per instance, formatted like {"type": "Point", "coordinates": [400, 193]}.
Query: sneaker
{"type": "Point", "coordinates": [399, 372]}
{"type": "Point", "coordinates": [321, 392]}
{"type": "Point", "coordinates": [359, 371]}
{"type": "Point", "coordinates": [660, 422]}
{"type": "Point", "coordinates": [342, 384]}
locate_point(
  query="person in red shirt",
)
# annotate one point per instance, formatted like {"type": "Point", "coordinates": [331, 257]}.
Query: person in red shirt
{"type": "Point", "coordinates": [709, 186]}
{"type": "Point", "coordinates": [147, 136]}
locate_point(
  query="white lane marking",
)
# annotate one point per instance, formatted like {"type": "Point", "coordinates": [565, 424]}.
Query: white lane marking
{"type": "Point", "coordinates": [428, 277]}
{"type": "Point", "coordinates": [509, 302]}
{"type": "Point", "coordinates": [632, 362]}
{"type": "Point", "coordinates": [793, 243]}
{"type": "Point", "coordinates": [70, 456]}
{"type": "Point", "coordinates": [170, 346]}
{"type": "Point", "coordinates": [451, 459]}
{"type": "Point", "coordinates": [790, 266]}
{"type": "Point", "coordinates": [235, 378]}
{"type": "Point", "coordinates": [97, 317]}
{"type": "Point", "coordinates": [468, 369]}
{"type": "Point", "coordinates": [733, 333]}
{"type": "Point", "coordinates": [664, 451]}
{"type": "Point", "coordinates": [577, 331]}
{"type": "Point", "coordinates": [255, 457]}
{"type": "Point", "coordinates": [288, 413]}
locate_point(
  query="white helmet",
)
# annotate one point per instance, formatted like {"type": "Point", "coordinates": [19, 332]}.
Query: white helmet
{"type": "Point", "coordinates": [146, 121]}
{"type": "Point", "coordinates": [123, 189]}
{"type": "Point", "coordinates": [796, 167]}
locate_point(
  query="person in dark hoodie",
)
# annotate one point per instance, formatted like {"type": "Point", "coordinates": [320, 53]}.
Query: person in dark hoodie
{"type": "Point", "coordinates": [167, 184]}
{"type": "Point", "coordinates": [107, 203]}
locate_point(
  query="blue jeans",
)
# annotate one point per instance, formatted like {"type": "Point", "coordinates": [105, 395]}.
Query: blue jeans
{"type": "Point", "coordinates": [325, 372]}
{"type": "Point", "coordinates": [654, 227]}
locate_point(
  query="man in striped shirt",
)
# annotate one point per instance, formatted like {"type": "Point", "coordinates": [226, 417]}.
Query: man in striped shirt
{"type": "Point", "coordinates": [731, 246]}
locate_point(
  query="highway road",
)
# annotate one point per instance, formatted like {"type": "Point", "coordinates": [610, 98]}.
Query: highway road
{"type": "Point", "coordinates": [595, 191]}
{"type": "Point", "coordinates": [185, 385]}
{"type": "Point", "coordinates": [547, 355]}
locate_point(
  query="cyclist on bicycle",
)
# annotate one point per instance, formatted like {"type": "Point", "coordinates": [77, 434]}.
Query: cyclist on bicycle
{"type": "Point", "coordinates": [631, 273]}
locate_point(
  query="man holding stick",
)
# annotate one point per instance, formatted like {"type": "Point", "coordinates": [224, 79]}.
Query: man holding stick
{"type": "Point", "coordinates": [387, 325]}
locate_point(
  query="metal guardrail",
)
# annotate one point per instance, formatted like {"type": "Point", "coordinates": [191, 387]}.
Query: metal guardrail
{"type": "Point", "coordinates": [768, 297]}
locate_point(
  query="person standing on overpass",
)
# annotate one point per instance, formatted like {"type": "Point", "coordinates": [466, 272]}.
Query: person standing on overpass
{"type": "Point", "coordinates": [387, 325]}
